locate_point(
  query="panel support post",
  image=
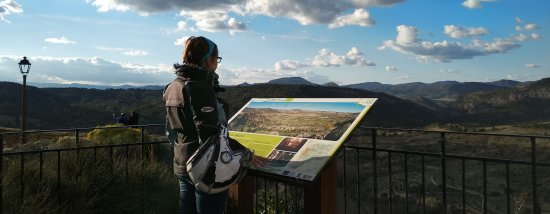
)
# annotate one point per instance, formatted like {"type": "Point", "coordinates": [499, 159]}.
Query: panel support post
{"type": "Point", "coordinates": [241, 197]}
{"type": "Point", "coordinates": [322, 197]}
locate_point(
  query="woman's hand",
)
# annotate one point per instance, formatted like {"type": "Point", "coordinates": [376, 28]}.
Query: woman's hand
{"type": "Point", "coordinates": [258, 160]}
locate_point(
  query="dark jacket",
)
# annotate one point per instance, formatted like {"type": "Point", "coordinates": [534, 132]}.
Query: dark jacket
{"type": "Point", "coordinates": [192, 117]}
{"type": "Point", "coordinates": [133, 120]}
{"type": "Point", "coordinates": [122, 120]}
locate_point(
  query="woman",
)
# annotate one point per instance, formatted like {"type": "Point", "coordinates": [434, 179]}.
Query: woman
{"type": "Point", "coordinates": [194, 114]}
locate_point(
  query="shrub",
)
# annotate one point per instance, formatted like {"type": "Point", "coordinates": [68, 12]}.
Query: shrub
{"type": "Point", "coordinates": [117, 135]}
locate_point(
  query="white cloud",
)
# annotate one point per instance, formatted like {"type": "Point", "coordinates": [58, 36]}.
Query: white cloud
{"type": "Point", "coordinates": [214, 21]}
{"type": "Point", "coordinates": [518, 77]}
{"type": "Point", "coordinates": [522, 37]}
{"type": "Point", "coordinates": [135, 53]}
{"type": "Point", "coordinates": [306, 12]}
{"type": "Point", "coordinates": [182, 26]}
{"type": "Point", "coordinates": [9, 6]}
{"type": "Point", "coordinates": [61, 40]}
{"type": "Point", "coordinates": [245, 74]}
{"type": "Point", "coordinates": [448, 71]}
{"type": "Point", "coordinates": [405, 77]}
{"type": "Point", "coordinates": [360, 17]}
{"type": "Point", "coordinates": [463, 32]}
{"type": "Point", "coordinates": [406, 42]}
{"type": "Point", "coordinates": [263, 38]}
{"type": "Point", "coordinates": [312, 76]}
{"type": "Point", "coordinates": [181, 41]}
{"type": "Point", "coordinates": [425, 51]}
{"type": "Point", "coordinates": [352, 58]}
{"type": "Point", "coordinates": [471, 4]}
{"type": "Point", "coordinates": [12, 6]}
{"type": "Point", "coordinates": [527, 26]}
{"type": "Point", "coordinates": [100, 71]}
{"type": "Point", "coordinates": [145, 7]}
{"type": "Point", "coordinates": [532, 66]}
{"type": "Point", "coordinates": [391, 68]}
{"type": "Point", "coordinates": [383, 47]}
{"type": "Point", "coordinates": [504, 45]}
{"type": "Point", "coordinates": [327, 59]}
{"type": "Point", "coordinates": [290, 65]}
{"type": "Point", "coordinates": [96, 70]}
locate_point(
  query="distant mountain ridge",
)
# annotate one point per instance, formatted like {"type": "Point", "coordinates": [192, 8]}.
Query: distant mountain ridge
{"type": "Point", "coordinates": [527, 102]}
{"type": "Point", "coordinates": [291, 81]}
{"type": "Point", "coordinates": [441, 93]}
{"type": "Point", "coordinates": [371, 86]}
{"type": "Point", "coordinates": [51, 108]}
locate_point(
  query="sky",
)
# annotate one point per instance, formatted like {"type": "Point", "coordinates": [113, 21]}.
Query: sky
{"type": "Point", "coordinates": [136, 42]}
{"type": "Point", "coordinates": [315, 106]}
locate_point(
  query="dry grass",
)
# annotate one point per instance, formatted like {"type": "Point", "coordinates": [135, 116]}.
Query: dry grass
{"type": "Point", "coordinates": [89, 183]}
{"type": "Point", "coordinates": [13, 140]}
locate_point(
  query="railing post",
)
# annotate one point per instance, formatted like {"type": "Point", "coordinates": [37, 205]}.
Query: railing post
{"type": "Point", "coordinates": [1, 173]}
{"type": "Point", "coordinates": [374, 171]}
{"type": "Point", "coordinates": [22, 177]}
{"type": "Point", "coordinates": [444, 172]}
{"type": "Point", "coordinates": [142, 141]}
{"type": "Point", "coordinates": [76, 139]}
{"type": "Point", "coordinates": [534, 172]}
{"type": "Point", "coordinates": [321, 197]}
{"type": "Point", "coordinates": [241, 197]}
{"type": "Point", "coordinates": [76, 153]}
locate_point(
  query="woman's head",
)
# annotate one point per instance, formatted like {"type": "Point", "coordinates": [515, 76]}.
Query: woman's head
{"type": "Point", "coordinates": [199, 51]}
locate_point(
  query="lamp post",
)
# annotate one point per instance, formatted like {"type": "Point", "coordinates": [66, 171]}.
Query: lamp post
{"type": "Point", "coordinates": [24, 67]}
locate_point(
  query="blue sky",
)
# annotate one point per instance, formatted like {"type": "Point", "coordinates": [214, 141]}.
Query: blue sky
{"type": "Point", "coordinates": [115, 42]}
{"type": "Point", "coordinates": [314, 106]}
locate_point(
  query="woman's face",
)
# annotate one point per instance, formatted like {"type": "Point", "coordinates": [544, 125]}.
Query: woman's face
{"type": "Point", "coordinates": [211, 63]}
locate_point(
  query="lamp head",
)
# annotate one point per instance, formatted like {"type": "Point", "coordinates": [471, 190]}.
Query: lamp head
{"type": "Point", "coordinates": [24, 66]}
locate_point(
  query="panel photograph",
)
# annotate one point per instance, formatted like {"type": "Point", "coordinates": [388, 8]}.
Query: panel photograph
{"type": "Point", "coordinates": [321, 120]}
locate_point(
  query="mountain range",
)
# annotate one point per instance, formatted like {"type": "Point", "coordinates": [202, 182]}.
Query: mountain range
{"type": "Point", "coordinates": [494, 104]}
{"type": "Point", "coordinates": [441, 93]}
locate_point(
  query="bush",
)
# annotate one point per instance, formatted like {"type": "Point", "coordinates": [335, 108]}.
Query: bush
{"type": "Point", "coordinates": [117, 135]}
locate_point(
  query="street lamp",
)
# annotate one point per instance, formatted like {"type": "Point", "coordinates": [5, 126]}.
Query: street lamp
{"type": "Point", "coordinates": [24, 67]}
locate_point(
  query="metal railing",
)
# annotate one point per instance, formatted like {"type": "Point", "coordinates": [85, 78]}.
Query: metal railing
{"type": "Point", "coordinates": [448, 172]}
{"type": "Point", "coordinates": [388, 170]}
{"type": "Point", "coordinates": [58, 151]}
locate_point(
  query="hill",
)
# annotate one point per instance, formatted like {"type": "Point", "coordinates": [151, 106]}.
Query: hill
{"type": "Point", "coordinates": [524, 103]}
{"type": "Point", "coordinates": [436, 90]}
{"type": "Point", "coordinates": [426, 103]}
{"type": "Point", "coordinates": [50, 108]}
{"type": "Point", "coordinates": [442, 93]}
{"type": "Point", "coordinates": [389, 111]}
{"type": "Point", "coordinates": [505, 83]}
{"type": "Point", "coordinates": [291, 81]}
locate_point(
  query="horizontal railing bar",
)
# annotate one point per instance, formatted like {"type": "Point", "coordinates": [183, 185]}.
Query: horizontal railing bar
{"type": "Point", "coordinates": [87, 128]}
{"type": "Point", "coordinates": [89, 147]}
{"type": "Point", "coordinates": [452, 156]}
{"type": "Point", "coordinates": [394, 150]}
{"type": "Point", "coordinates": [455, 132]}
{"type": "Point", "coordinates": [282, 179]}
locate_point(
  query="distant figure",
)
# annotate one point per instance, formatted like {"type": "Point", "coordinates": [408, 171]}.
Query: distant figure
{"type": "Point", "coordinates": [134, 117]}
{"type": "Point", "coordinates": [122, 119]}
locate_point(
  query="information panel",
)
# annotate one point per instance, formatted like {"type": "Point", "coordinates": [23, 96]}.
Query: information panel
{"type": "Point", "coordinates": [297, 135]}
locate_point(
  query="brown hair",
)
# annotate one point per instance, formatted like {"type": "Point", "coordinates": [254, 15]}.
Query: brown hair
{"type": "Point", "coordinates": [195, 50]}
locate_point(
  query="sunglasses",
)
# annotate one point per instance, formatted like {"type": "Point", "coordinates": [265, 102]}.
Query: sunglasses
{"type": "Point", "coordinates": [219, 59]}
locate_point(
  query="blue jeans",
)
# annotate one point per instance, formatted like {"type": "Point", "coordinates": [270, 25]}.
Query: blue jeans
{"type": "Point", "coordinates": [193, 201]}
